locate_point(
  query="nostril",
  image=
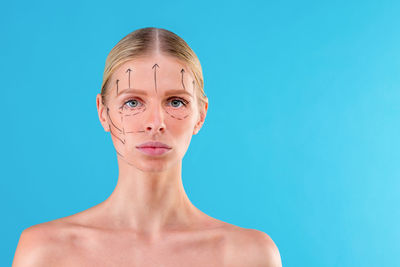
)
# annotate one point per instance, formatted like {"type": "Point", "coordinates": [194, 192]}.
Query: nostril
{"type": "Point", "coordinates": [160, 128]}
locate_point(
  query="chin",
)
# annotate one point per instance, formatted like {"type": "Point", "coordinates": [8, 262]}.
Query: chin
{"type": "Point", "coordinates": [149, 164]}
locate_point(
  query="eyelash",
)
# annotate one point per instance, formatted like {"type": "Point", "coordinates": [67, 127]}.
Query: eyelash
{"type": "Point", "coordinates": [182, 100]}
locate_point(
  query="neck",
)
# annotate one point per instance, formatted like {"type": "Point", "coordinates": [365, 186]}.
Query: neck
{"type": "Point", "coordinates": [150, 202]}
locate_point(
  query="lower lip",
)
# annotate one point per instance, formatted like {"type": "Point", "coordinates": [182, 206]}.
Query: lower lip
{"type": "Point", "coordinates": [154, 151]}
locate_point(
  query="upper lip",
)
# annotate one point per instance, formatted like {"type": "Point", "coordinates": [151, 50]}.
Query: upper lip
{"type": "Point", "coordinates": [153, 144]}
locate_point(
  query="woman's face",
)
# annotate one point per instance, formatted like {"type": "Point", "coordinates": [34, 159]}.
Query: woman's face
{"type": "Point", "coordinates": [151, 99]}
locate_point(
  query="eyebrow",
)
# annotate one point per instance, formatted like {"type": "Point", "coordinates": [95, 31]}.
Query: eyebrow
{"type": "Point", "coordinates": [143, 92]}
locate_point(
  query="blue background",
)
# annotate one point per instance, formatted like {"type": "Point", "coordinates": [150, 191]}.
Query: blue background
{"type": "Point", "coordinates": [301, 139]}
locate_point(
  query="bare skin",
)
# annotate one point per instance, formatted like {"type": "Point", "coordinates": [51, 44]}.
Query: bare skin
{"type": "Point", "coordinates": [148, 220]}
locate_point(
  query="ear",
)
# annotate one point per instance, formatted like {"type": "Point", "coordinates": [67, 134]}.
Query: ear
{"type": "Point", "coordinates": [202, 117]}
{"type": "Point", "coordinates": [101, 110]}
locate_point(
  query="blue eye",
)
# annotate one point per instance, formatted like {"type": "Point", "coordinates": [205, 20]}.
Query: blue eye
{"type": "Point", "coordinates": [134, 103]}
{"type": "Point", "coordinates": [179, 100]}
{"type": "Point", "coordinates": [130, 101]}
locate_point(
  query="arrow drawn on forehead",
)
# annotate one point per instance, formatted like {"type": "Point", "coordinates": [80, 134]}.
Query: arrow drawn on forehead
{"type": "Point", "coordinates": [117, 85]}
{"type": "Point", "coordinates": [183, 71]}
{"type": "Point", "coordinates": [155, 75]}
{"type": "Point", "coordinates": [129, 70]}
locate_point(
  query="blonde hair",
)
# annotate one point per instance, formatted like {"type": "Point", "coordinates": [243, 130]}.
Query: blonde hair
{"type": "Point", "coordinates": [145, 41]}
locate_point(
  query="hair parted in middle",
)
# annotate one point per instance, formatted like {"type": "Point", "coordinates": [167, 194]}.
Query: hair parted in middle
{"type": "Point", "coordinates": [145, 42]}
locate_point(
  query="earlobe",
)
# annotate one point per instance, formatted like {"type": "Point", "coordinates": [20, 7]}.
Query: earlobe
{"type": "Point", "coordinates": [199, 124]}
{"type": "Point", "coordinates": [202, 117]}
{"type": "Point", "coordinates": [101, 113]}
{"type": "Point", "coordinates": [195, 131]}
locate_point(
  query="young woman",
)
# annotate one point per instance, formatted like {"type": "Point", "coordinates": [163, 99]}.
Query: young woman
{"type": "Point", "coordinates": [152, 102]}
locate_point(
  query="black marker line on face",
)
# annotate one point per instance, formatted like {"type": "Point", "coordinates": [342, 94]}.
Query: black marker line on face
{"type": "Point", "coordinates": [194, 86]}
{"type": "Point", "coordinates": [122, 123]}
{"type": "Point", "coordinates": [129, 81]}
{"type": "Point", "coordinates": [184, 88]}
{"type": "Point", "coordinates": [135, 113]}
{"type": "Point", "coordinates": [128, 163]}
{"type": "Point", "coordinates": [155, 86]}
{"type": "Point", "coordinates": [122, 141]}
{"type": "Point", "coordinates": [127, 115]}
{"type": "Point", "coordinates": [119, 153]}
{"type": "Point", "coordinates": [155, 75]}
{"type": "Point", "coordinates": [117, 85]}
{"type": "Point", "coordinates": [182, 71]}
{"type": "Point", "coordinates": [176, 117]}
{"type": "Point", "coordinates": [123, 158]}
{"type": "Point", "coordinates": [136, 132]}
{"type": "Point", "coordinates": [108, 114]}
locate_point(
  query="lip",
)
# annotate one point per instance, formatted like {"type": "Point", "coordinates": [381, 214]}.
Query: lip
{"type": "Point", "coordinates": [153, 144]}
{"type": "Point", "coordinates": [154, 151]}
{"type": "Point", "coordinates": [153, 148]}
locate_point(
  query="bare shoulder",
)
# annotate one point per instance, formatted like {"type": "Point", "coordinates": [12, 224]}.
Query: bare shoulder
{"type": "Point", "coordinates": [39, 244]}
{"type": "Point", "coordinates": [251, 247]}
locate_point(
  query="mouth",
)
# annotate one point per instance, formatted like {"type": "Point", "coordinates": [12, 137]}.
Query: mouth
{"type": "Point", "coordinates": [152, 144]}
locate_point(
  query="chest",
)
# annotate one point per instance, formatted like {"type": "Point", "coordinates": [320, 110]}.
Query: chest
{"type": "Point", "coordinates": [129, 252]}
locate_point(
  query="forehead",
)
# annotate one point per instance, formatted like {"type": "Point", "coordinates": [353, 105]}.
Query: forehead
{"type": "Point", "coordinates": [165, 69]}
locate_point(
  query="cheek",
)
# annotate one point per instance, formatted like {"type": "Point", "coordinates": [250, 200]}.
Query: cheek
{"type": "Point", "coordinates": [180, 130]}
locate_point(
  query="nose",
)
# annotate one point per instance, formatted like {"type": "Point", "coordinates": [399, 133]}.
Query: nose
{"type": "Point", "coordinates": [155, 120]}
